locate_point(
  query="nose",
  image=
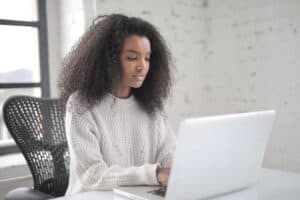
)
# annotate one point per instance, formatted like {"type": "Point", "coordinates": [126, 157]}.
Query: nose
{"type": "Point", "coordinates": [141, 65]}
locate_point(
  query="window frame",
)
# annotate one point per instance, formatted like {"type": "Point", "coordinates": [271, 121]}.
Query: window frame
{"type": "Point", "coordinates": [41, 25]}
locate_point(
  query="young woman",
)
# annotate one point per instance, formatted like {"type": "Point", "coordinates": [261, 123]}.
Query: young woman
{"type": "Point", "coordinates": [114, 82]}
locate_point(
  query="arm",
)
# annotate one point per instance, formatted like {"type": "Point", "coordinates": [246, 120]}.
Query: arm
{"type": "Point", "coordinates": [166, 143]}
{"type": "Point", "coordinates": [88, 168]}
{"type": "Point", "coordinates": [166, 148]}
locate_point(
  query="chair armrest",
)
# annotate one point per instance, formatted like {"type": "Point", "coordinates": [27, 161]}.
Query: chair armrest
{"type": "Point", "coordinates": [24, 193]}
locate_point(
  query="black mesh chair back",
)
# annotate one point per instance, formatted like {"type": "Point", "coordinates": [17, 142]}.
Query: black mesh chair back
{"type": "Point", "coordinates": [37, 126]}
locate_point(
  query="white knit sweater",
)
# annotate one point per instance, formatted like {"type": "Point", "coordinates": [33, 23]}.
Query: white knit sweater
{"type": "Point", "coordinates": [115, 142]}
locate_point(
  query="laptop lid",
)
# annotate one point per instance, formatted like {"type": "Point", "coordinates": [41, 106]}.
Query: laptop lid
{"type": "Point", "coordinates": [218, 154]}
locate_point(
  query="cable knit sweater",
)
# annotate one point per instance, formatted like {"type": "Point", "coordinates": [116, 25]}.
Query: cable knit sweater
{"type": "Point", "coordinates": [114, 143]}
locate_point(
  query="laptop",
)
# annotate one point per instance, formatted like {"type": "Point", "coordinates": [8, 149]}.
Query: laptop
{"type": "Point", "coordinates": [214, 156]}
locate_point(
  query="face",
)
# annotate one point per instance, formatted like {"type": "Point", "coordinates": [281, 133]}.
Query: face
{"type": "Point", "coordinates": [135, 61]}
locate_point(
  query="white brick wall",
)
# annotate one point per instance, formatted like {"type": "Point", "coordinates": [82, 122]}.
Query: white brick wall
{"type": "Point", "coordinates": [232, 56]}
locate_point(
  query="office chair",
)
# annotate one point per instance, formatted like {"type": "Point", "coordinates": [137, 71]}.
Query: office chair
{"type": "Point", "coordinates": [38, 128]}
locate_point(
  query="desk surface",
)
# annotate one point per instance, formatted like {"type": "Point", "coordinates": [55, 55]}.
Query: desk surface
{"type": "Point", "coordinates": [273, 185]}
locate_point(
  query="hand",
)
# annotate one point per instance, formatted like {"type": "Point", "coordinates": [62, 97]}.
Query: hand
{"type": "Point", "coordinates": [162, 175]}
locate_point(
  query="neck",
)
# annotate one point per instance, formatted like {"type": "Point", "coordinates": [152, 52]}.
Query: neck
{"type": "Point", "coordinates": [122, 92]}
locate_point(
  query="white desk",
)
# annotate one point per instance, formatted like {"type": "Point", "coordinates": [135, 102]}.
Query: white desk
{"type": "Point", "coordinates": [273, 185]}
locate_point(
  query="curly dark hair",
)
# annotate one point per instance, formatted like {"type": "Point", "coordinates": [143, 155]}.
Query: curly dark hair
{"type": "Point", "coordinates": [93, 66]}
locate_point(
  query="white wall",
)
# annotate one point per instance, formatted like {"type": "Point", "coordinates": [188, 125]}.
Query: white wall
{"type": "Point", "coordinates": [231, 56]}
{"type": "Point", "coordinates": [54, 42]}
{"type": "Point", "coordinates": [65, 26]}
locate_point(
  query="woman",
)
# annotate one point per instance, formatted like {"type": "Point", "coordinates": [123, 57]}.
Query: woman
{"type": "Point", "coordinates": [115, 82]}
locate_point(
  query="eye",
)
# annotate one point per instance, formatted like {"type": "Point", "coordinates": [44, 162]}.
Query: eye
{"type": "Point", "coordinates": [131, 57]}
{"type": "Point", "coordinates": [147, 59]}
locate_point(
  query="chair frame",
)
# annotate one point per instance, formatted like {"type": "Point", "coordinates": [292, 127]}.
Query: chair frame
{"type": "Point", "coordinates": [59, 150]}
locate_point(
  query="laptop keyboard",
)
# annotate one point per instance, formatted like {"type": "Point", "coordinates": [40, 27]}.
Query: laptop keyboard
{"type": "Point", "coordinates": [160, 192]}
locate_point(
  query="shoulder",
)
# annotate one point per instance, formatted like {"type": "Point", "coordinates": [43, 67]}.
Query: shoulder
{"type": "Point", "coordinates": [161, 115]}
{"type": "Point", "coordinates": [160, 118]}
{"type": "Point", "coordinates": [76, 104]}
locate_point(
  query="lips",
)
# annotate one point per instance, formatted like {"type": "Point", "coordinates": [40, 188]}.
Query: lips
{"type": "Point", "coordinates": [139, 77]}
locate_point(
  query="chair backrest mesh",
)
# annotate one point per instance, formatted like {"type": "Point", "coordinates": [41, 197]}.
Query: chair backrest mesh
{"type": "Point", "coordinates": [37, 125]}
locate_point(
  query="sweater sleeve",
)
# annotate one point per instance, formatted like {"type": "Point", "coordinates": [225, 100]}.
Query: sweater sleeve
{"type": "Point", "coordinates": [166, 143]}
{"type": "Point", "coordinates": [88, 169]}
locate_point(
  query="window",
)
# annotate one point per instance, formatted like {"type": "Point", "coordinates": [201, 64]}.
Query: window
{"type": "Point", "coordinates": [24, 56]}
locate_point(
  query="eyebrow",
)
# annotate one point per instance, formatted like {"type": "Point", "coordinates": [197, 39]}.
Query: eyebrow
{"type": "Point", "coordinates": [134, 51]}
